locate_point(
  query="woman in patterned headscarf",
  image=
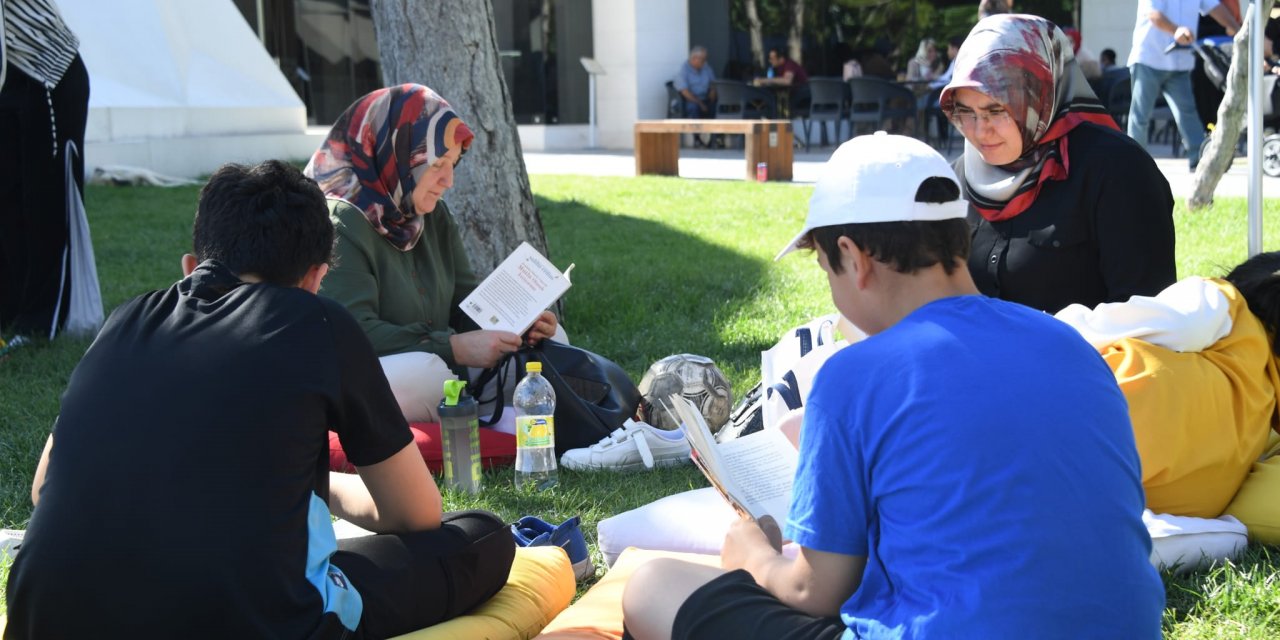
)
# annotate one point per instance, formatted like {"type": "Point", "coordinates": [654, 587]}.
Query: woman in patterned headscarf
{"type": "Point", "coordinates": [1064, 207]}
{"type": "Point", "coordinates": [401, 268]}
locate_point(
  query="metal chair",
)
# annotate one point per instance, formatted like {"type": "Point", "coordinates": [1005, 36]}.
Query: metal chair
{"type": "Point", "coordinates": [827, 100]}
{"type": "Point", "coordinates": [933, 113]}
{"type": "Point", "coordinates": [874, 101]}
{"type": "Point", "coordinates": [1116, 93]}
{"type": "Point", "coordinates": [1163, 113]}
{"type": "Point", "coordinates": [675, 101]}
{"type": "Point", "coordinates": [737, 100]}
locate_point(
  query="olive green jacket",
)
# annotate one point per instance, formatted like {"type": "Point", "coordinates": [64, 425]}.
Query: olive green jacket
{"type": "Point", "coordinates": [404, 300]}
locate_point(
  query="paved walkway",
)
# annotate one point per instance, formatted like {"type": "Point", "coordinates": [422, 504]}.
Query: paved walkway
{"type": "Point", "coordinates": [728, 165]}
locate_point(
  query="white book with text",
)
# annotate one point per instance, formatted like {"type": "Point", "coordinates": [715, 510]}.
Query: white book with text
{"type": "Point", "coordinates": [754, 473]}
{"type": "Point", "coordinates": [520, 289]}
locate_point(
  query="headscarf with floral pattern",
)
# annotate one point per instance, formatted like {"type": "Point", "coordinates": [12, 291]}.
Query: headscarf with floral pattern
{"type": "Point", "coordinates": [379, 149]}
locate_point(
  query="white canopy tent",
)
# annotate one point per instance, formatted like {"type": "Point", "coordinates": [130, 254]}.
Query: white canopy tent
{"type": "Point", "coordinates": [182, 86]}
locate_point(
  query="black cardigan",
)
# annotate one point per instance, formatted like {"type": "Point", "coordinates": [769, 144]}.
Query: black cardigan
{"type": "Point", "coordinates": [1102, 235]}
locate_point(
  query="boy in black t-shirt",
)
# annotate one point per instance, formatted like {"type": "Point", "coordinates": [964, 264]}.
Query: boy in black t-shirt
{"type": "Point", "coordinates": [186, 493]}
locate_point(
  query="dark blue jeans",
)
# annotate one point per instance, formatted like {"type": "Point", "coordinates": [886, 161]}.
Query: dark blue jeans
{"type": "Point", "coordinates": [1148, 84]}
{"type": "Point", "coordinates": [692, 111]}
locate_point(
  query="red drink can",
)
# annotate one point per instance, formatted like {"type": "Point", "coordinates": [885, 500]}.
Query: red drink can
{"type": "Point", "coordinates": [762, 171]}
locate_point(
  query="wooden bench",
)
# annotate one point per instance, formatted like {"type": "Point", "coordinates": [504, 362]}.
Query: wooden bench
{"type": "Point", "coordinates": [768, 141]}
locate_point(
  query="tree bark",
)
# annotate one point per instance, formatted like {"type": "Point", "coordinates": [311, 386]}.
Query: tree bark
{"type": "Point", "coordinates": [795, 35]}
{"type": "Point", "coordinates": [1220, 151]}
{"type": "Point", "coordinates": [452, 47]}
{"type": "Point", "coordinates": [756, 32]}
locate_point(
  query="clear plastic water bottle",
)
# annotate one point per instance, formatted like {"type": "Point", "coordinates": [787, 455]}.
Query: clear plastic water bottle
{"type": "Point", "coordinates": [535, 404]}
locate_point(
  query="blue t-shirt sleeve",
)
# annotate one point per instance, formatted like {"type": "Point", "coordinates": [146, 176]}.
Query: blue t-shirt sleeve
{"type": "Point", "coordinates": [830, 505]}
{"type": "Point", "coordinates": [682, 77]}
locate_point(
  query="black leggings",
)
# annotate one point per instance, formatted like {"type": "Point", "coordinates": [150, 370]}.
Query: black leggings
{"type": "Point", "coordinates": [411, 581]}
{"type": "Point", "coordinates": [734, 606]}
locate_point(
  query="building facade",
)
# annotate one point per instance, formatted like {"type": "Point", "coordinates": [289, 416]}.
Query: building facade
{"type": "Point", "coordinates": [183, 85]}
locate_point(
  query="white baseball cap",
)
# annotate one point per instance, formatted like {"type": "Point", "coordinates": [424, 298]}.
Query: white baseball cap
{"type": "Point", "coordinates": [874, 179]}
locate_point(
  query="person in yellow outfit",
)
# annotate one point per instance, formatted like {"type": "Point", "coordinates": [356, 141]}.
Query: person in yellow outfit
{"type": "Point", "coordinates": [1197, 365]}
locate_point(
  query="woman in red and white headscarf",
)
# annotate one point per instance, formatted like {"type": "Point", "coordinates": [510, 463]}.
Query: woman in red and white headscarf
{"type": "Point", "coordinates": [401, 268]}
{"type": "Point", "coordinates": [1065, 208]}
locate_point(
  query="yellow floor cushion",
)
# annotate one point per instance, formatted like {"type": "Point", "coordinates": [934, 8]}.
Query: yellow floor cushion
{"type": "Point", "coordinates": [540, 586]}
{"type": "Point", "coordinates": [598, 613]}
{"type": "Point", "coordinates": [1257, 503]}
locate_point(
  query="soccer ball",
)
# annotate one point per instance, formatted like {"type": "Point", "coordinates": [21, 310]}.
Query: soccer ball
{"type": "Point", "coordinates": [697, 379]}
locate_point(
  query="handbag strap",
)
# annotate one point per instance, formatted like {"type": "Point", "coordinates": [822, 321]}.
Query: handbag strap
{"type": "Point", "coordinates": [497, 374]}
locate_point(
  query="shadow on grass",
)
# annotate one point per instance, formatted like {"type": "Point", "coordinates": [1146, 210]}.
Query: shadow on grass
{"type": "Point", "coordinates": [643, 290]}
{"type": "Point", "coordinates": [593, 496]}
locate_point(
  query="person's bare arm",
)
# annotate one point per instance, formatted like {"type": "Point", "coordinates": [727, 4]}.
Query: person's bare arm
{"type": "Point", "coordinates": [41, 467]}
{"type": "Point", "coordinates": [397, 495]}
{"type": "Point", "coordinates": [1224, 18]}
{"type": "Point", "coordinates": [1181, 34]}
{"type": "Point", "coordinates": [815, 582]}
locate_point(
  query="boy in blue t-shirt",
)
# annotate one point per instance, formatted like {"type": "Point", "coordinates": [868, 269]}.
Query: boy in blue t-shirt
{"type": "Point", "coordinates": [967, 471]}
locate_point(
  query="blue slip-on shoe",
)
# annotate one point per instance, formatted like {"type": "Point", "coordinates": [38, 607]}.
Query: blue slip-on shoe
{"type": "Point", "coordinates": [531, 531]}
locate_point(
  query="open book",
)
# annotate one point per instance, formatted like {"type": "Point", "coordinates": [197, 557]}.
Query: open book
{"type": "Point", "coordinates": [520, 289]}
{"type": "Point", "coordinates": [754, 473]}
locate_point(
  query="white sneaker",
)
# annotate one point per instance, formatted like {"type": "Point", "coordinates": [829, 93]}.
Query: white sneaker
{"type": "Point", "coordinates": [634, 446]}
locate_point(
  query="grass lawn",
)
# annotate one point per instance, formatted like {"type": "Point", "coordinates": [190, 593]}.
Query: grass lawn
{"type": "Point", "coordinates": [664, 265]}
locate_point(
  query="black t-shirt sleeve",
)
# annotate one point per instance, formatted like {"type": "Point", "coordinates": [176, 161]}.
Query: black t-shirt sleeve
{"type": "Point", "coordinates": [367, 419]}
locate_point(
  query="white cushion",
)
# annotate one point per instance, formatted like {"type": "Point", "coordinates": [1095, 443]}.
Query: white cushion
{"type": "Point", "coordinates": [1184, 544]}
{"type": "Point", "coordinates": [696, 521]}
{"type": "Point", "coordinates": [693, 521]}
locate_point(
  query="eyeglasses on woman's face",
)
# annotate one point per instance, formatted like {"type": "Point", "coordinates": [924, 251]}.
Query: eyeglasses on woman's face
{"type": "Point", "coordinates": [967, 119]}
{"type": "Point", "coordinates": [999, 139]}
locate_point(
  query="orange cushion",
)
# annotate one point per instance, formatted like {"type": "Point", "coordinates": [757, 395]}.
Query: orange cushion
{"type": "Point", "coordinates": [598, 613]}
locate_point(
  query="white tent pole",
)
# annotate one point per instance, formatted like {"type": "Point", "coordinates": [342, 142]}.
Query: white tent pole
{"type": "Point", "coordinates": [262, 24]}
{"type": "Point", "coordinates": [591, 99]}
{"type": "Point", "coordinates": [1255, 127]}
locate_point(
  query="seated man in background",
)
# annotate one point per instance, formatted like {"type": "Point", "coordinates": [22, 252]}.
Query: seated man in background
{"type": "Point", "coordinates": [785, 72]}
{"type": "Point", "coordinates": [693, 81]}
{"type": "Point", "coordinates": [187, 494]}
{"type": "Point", "coordinates": [917, 508]}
